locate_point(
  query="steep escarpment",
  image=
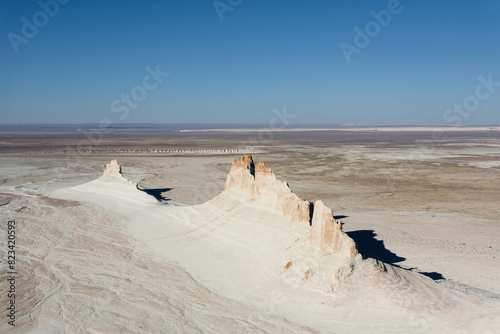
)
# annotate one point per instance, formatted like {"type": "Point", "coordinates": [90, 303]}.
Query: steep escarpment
{"type": "Point", "coordinates": [261, 184]}
{"type": "Point", "coordinates": [327, 233]}
{"type": "Point", "coordinates": [113, 171]}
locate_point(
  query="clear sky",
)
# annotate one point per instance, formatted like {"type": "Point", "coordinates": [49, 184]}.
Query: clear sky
{"type": "Point", "coordinates": [234, 61]}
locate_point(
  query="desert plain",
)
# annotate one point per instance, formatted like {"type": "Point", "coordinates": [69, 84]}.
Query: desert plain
{"type": "Point", "coordinates": [166, 249]}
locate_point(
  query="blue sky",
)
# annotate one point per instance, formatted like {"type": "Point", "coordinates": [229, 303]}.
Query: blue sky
{"type": "Point", "coordinates": [89, 62]}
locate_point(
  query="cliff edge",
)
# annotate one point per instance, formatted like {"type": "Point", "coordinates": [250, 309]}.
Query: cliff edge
{"type": "Point", "coordinates": [261, 184]}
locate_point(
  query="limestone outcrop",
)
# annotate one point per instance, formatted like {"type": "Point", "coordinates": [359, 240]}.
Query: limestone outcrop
{"type": "Point", "coordinates": [327, 233]}
{"type": "Point", "coordinates": [113, 171]}
{"type": "Point", "coordinates": [242, 173]}
{"type": "Point", "coordinates": [113, 168]}
{"type": "Point", "coordinates": [261, 184]}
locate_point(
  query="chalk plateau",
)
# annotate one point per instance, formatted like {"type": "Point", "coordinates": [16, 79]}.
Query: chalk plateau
{"type": "Point", "coordinates": [255, 258]}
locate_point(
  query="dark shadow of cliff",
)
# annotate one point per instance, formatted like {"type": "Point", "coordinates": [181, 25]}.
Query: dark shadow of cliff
{"type": "Point", "coordinates": [433, 275]}
{"type": "Point", "coordinates": [340, 217]}
{"type": "Point", "coordinates": [368, 246]}
{"type": "Point", "coordinates": [157, 193]}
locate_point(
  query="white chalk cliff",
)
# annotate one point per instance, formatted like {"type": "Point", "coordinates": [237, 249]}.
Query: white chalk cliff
{"type": "Point", "coordinates": [261, 184]}
{"type": "Point", "coordinates": [113, 169]}
{"type": "Point", "coordinates": [327, 233]}
{"type": "Point", "coordinates": [251, 247]}
{"type": "Point", "coordinates": [113, 183]}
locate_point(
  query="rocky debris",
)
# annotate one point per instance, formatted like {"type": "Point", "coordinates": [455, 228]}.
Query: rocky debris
{"type": "Point", "coordinates": [307, 274]}
{"type": "Point", "coordinates": [261, 184]}
{"type": "Point", "coordinates": [327, 233]}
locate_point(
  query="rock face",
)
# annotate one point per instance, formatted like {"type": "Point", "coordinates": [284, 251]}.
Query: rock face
{"type": "Point", "coordinates": [242, 173]}
{"type": "Point", "coordinates": [113, 171]}
{"type": "Point", "coordinates": [261, 184]}
{"type": "Point", "coordinates": [327, 233]}
{"type": "Point", "coordinates": [113, 168]}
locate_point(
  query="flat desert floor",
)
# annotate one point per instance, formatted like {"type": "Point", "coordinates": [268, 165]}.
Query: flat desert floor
{"type": "Point", "coordinates": [425, 204]}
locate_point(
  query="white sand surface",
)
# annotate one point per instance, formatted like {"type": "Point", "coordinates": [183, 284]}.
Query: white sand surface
{"type": "Point", "coordinates": [238, 249]}
{"type": "Point", "coordinates": [105, 257]}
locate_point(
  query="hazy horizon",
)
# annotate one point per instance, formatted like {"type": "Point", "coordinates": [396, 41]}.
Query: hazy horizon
{"type": "Point", "coordinates": [263, 125]}
{"type": "Point", "coordinates": [248, 62]}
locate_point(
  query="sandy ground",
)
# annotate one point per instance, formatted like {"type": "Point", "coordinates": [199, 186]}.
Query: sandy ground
{"type": "Point", "coordinates": [425, 206]}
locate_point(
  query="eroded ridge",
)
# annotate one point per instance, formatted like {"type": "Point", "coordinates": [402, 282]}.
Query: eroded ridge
{"type": "Point", "coordinates": [261, 184]}
{"type": "Point", "coordinates": [327, 233]}
{"type": "Point", "coordinates": [113, 168]}
{"type": "Point", "coordinates": [113, 172]}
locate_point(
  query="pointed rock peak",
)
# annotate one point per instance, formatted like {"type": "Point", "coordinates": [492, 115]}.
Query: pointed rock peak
{"type": "Point", "coordinates": [245, 161]}
{"type": "Point", "coordinates": [261, 169]}
{"type": "Point", "coordinates": [327, 233]}
{"type": "Point", "coordinates": [242, 173]}
{"type": "Point", "coordinates": [321, 211]}
{"type": "Point", "coordinates": [113, 168]}
{"type": "Point", "coordinates": [260, 183]}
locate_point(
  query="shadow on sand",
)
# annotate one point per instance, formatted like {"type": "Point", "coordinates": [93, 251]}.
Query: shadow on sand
{"type": "Point", "coordinates": [368, 246]}
{"type": "Point", "coordinates": [157, 193]}
{"type": "Point", "coordinates": [433, 275]}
